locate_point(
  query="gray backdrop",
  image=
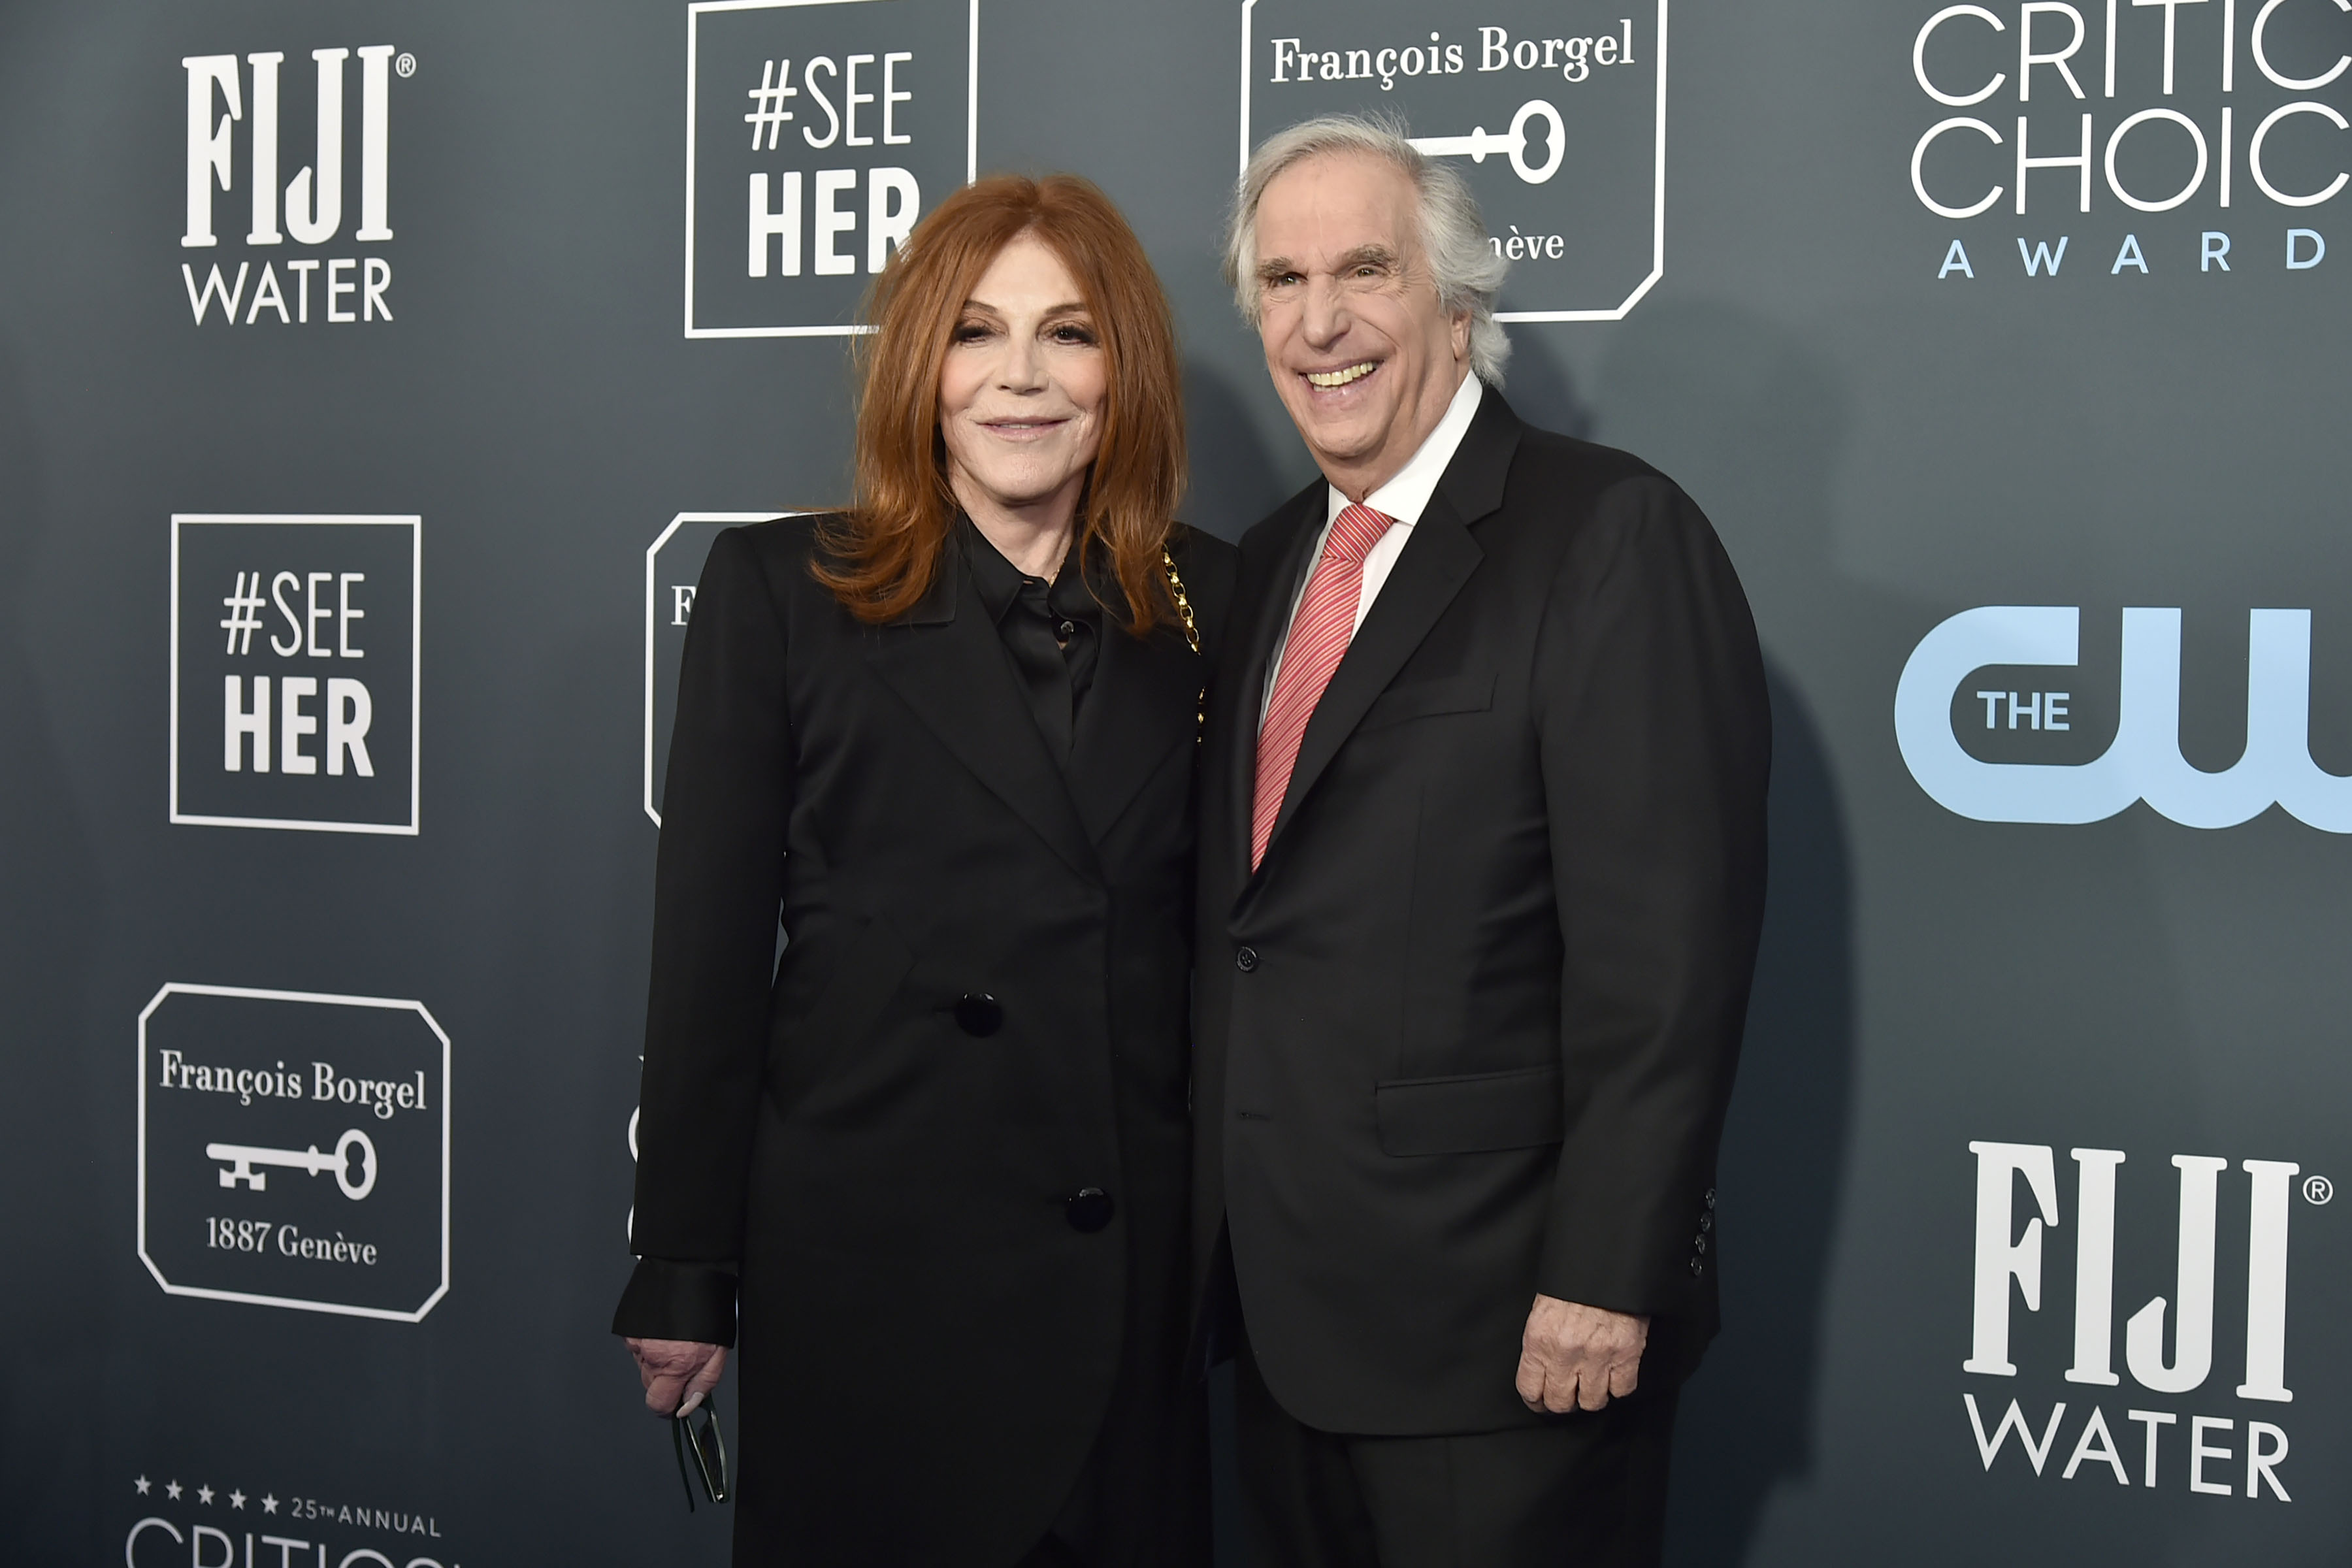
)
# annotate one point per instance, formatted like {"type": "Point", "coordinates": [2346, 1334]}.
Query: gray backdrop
{"type": "Point", "coordinates": [320, 1080]}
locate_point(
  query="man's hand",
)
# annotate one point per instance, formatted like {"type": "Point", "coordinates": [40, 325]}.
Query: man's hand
{"type": "Point", "coordinates": [676, 1374]}
{"type": "Point", "coordinates": [1576, 1357]}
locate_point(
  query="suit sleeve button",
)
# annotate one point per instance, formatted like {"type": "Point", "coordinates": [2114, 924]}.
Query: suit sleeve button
{"type": "Point", "coordinates": [1709, 1199]}
{"type": "Point", "coordinates": [979, 1014]}
{"type": "Point", "coordinates": [1088, 1209]}
{"type": "Point", "coordinates": [1697, 1268]}
{"type": "Point", "coordinates": [1246, 960]}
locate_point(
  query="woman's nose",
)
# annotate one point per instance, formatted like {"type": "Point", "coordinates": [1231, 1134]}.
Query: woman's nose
{"type": "Point", "coordinates": [1023, 367]}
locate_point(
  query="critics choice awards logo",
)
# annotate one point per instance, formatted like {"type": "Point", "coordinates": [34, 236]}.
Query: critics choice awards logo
{"type": "Point", "coordinates": [205, 1523]}
{"type": "Point", "coordinates": [294, 671]}
{"type": "Point", "coordinates": [294, 1149]}
{"type": "Point", "coordinates": [2165, 137]}
{"type": "Point", "coordinates": [1996, 723]}
{"type": "Point", "coordinates": [305, 250]}
{"type": "Point", "coordinates": [2182, 1425]}
{"type": "Point", "coordinates": [816, 132]}
{"type": "Point", "coordinates": [1555, 110]}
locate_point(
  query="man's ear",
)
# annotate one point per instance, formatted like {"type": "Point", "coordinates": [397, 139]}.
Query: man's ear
{"type": "Point", "coordinates": [1461, 335]}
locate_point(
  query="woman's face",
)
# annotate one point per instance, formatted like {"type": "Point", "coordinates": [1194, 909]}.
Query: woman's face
{"type": "Point", "coordinates": [1022, 390]}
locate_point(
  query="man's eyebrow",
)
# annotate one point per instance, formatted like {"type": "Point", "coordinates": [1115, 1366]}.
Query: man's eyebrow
{"type": "Point", "coordinates": [1367, 256]}
{"type": "Point", "coordinates": [1275, 266]}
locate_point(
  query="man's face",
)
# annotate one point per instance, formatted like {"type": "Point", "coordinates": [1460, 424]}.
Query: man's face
{"type": "Point", "coordinates": [1362, 353]}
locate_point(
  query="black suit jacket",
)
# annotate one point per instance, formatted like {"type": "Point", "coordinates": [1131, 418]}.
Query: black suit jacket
{"type": "Point", "coordinates": [929, 1341]}
{"type": "Point", "coordinates": [1467, 1034]}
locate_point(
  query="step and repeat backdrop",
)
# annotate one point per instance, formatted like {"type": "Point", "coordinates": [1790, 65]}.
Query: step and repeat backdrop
{"type": "Point", "coordinates": [374, 378]}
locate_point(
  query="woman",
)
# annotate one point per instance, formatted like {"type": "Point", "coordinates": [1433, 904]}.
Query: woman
{"type": "Point", "coordinates": [936, 1166]}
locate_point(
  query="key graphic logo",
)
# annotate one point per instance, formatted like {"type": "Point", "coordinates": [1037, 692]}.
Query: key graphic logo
{"type": "Point", "coordinates": [294, 671]}
{"type": "Point", "coordinates": [306, 257]}
{"type": "Point", "coordinates": [294, 1149]}
{"type": "Point", "coordinates": [673, 567]}
{"type": "Point", "coordinates": [1555, 112]}
{"type": "Point", "coordinates": [816, 132]}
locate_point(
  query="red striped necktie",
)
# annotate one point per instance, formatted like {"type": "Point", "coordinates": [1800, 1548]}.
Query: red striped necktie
{"type": "Point", "coordinates": [1320, 634]}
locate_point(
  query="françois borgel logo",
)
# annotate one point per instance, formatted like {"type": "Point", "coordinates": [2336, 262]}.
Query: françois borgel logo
{"type": "Point", "coordinates": [304, 250]}
{"type": "Point", "coordinates": [673, 567]}
{"type": "Point", "coordinates": [2005, 676]}
{"type": "Point", "coordinates": [294, 671]}
{"type": "Point", "coordinates": [1555, 109]}
{"type": "Point", "coordinates": [294, 1149]}
{"type": "Point", "coordinates": [2215, 1383]}
{"type": "Point", "coordinates": [816, 132]}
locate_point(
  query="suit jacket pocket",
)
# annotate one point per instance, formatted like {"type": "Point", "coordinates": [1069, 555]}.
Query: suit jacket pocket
{"type": "Point", "coordinates": [1426, 698]}
{"type": "Point", "coordinates": [866, 974]}
{"type": "Point", "coordinates": [1470, 1114]}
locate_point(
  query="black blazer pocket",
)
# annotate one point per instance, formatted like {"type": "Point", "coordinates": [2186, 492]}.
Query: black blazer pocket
{"type": "Point", "coordinates": [866, 974]}
{"type": "Point", "coordinates": [1427, 699]}
{"type": "Point", "coordinates": [1471, 1114]}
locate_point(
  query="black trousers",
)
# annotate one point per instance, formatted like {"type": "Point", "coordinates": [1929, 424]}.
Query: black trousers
{"type": "Point", "coordinates": [1581, 1490]}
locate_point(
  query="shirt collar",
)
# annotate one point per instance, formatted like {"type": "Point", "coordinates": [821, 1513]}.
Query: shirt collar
{"type": "Point", "coordinates": [1000, 583]}
{"type": "Point", "coordinates": [1405, 497]}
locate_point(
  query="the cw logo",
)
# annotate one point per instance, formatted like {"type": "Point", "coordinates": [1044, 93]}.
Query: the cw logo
{"type": "Point", "coordinates": [2144, 761]}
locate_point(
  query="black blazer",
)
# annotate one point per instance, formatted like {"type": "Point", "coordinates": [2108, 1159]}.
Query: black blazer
{"type": "Point", "coordinates": [1468, 1034]}
{"type": "Point", "coordinates": [980, 1013]}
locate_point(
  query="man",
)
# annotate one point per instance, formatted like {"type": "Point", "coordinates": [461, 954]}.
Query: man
{"type": "Point", "coordinates": [1482, 865]}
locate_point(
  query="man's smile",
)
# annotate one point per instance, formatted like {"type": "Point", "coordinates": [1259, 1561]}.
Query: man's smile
{"type": "Point", "coordinates": [1343, 376]}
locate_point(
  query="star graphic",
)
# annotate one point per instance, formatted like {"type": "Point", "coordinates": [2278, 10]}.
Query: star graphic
{"type": "Point", "coordinates": [143, 1484]}
{"type": "Point", "coordinates": [172, 1490]}
{"type": "Point", "coordinates": [204, 1494]}
{"type": "Point", "coordinates": [236, 1500]}
{"type": "Point", "coordinates": [269, 1505]}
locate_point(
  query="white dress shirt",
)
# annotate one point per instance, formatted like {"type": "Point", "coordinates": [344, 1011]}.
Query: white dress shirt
{"type": "Point", "coordinates": [1403, 499]}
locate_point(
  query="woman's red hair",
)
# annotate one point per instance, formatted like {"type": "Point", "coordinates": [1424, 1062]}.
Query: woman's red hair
{"type": "Point", "coordinates": [882, 554]}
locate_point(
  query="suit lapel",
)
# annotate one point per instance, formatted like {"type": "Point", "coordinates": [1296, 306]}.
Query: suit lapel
{"type": "Point", "coordinates": [945, 659]}
{"type": "Point", "coordinates": [1437, 560]}
{"type": "Point", "coordinates": [1144, 702]}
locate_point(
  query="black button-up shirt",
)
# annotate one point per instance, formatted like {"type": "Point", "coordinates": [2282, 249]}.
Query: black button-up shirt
{"type": "Point", "coordinates": [1052, 632]}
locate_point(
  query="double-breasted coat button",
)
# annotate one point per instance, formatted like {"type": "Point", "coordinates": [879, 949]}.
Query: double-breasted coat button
{"type": "Point", "coordinates": [1088, 1209]}
{"type": "Point", "coordinates": [977, 1013]}
{"type": "Point", "coordinates": [1246, 960]}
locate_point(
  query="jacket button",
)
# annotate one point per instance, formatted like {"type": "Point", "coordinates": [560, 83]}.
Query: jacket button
{"type": "Point", "coordinates": [1246, 960]}
{"type": "Point", "coordinates": [1709, 1199]}
{"type": "Point", "coordinates": [1705, 1223]}
{"type": "Point", "coordinates": [1697, 1268]}
{"type": "Point", "coordinates": [1700, 1243]}
{"type": "Point", "coordinates": [1088, 1209]}
{"type": "Point", "coordinates": [977, 1013]}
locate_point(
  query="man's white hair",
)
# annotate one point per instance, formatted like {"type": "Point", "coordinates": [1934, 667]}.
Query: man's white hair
{"type": "Point", "coordinates": [1463, 262]}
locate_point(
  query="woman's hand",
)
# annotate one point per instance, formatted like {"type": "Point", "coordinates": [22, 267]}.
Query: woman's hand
{"type": "Point", "coordinates": [676, 1374]}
